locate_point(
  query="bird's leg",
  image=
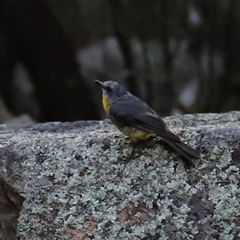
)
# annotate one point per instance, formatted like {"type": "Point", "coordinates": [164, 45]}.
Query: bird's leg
{"type": "Point", "coordinates": [145, 143]}
{"type": "Point", "coordinates": [131, 155]}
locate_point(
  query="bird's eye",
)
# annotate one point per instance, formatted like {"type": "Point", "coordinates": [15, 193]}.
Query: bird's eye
{"type": "Point", "coordinates": [108, 89]}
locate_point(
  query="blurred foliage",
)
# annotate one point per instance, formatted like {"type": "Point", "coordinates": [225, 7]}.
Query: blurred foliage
{"type": "Point", "coordinates": [159, 49]}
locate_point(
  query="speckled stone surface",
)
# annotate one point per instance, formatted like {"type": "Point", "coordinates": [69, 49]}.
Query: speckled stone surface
{"type": "Point", "coordinates": [77, 187]}
{"type": "Point", "coordinates": [10, 207]}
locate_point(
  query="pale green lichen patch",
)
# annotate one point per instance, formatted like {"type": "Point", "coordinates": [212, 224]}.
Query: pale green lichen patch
{"type": "Point", "coordinates": [77, 183]}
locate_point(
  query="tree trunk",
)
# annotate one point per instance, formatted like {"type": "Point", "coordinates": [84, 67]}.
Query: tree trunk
{"type": "Point", "coordinates": [43, 47]}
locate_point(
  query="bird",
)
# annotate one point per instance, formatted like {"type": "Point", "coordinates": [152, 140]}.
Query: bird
{"type": "Point", "coordinates": [137, 120]}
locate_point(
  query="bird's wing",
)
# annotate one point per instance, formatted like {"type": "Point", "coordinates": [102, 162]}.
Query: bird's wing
{"type": "Point", "coordinates": [130, 111]}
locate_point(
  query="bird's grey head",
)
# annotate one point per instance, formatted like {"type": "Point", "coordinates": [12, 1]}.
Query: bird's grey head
{"type": "Point", "coordinates": [111, 89]}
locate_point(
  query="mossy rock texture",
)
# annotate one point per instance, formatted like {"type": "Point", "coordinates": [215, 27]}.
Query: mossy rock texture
{"type": "Point", "coordinates": [77, 184]}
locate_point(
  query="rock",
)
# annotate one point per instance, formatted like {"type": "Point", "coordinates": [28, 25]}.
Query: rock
{"type": "Point", "coordinates": [10, 207]}
{"type": "Point", "coordinates": [78, 186]}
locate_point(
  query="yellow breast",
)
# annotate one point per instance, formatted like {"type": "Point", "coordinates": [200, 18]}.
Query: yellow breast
{"type": "Point", "coordinates": [128, 131]}
{"type": "Point", "coordinates": [106, 104]}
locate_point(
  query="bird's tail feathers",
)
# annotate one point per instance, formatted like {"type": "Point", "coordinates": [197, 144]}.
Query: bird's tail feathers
{"type": "Point", "coordinates": [184, 150]}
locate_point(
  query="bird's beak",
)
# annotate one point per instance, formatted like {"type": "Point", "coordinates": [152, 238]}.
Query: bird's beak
{"type": "Point", "coordinates": [101, 84]}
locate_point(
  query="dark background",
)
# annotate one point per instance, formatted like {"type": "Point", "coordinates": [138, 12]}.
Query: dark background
{"type": "Point", "coordinates": [179, 56]}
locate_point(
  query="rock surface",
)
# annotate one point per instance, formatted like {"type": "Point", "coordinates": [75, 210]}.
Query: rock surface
{"type": "Point", "coordinates": [77, 186]}
{"type": "Point", "coordinates": [10, 206]}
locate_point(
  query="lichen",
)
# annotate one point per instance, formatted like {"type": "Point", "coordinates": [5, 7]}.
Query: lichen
{"type": "Point", "coordinates": [73, 180]}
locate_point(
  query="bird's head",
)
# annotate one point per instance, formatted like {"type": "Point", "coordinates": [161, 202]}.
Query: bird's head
{"type": "Point", "coordinates": [111, 89]}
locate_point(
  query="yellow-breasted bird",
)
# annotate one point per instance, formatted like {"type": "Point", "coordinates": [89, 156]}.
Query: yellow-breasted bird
{"type": "Point", "coordinates": [137, 120]}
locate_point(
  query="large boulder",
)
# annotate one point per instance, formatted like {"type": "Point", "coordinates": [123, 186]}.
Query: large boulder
{"type": "Point", "coordinates": [77, 184]}
{"type": "Point", "coordinates": [10, 206]}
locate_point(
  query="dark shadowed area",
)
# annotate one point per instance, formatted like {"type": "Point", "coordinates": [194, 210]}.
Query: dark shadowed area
{"type": "Point", "coordinates": [179, 56]}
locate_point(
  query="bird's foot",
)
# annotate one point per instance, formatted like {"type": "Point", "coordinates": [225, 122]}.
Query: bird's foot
{"type": "Point", "coordinates": [138, 145]}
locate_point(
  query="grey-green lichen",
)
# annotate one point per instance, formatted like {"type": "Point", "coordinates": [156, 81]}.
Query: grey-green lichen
{"type": "Point", "coordinates": [77, 184]}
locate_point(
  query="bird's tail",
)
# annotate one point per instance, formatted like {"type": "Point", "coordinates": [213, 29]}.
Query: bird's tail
{"type": "Point", "coordinates": [184, 150]}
